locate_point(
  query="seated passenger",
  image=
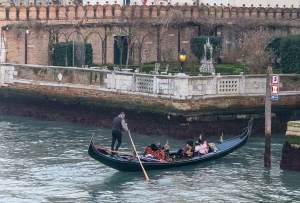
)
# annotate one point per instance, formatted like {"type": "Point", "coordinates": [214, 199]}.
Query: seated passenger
{"type": "Point", "coordinates": [202, 148]}
{"type": "Point", "coordinates": [154, 151]}
{"type": "Point", "coordinates": [187, 152]}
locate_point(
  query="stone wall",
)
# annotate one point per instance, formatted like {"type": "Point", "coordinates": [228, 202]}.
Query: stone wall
{"type": "Point", "coordinates": [93, 97]}
{"type": "Point", "coordinates": [291, 148]}
{"type": "Point", "coordinates": [92, 21]}
{"type": "Point", "coordinates": [177, 92]}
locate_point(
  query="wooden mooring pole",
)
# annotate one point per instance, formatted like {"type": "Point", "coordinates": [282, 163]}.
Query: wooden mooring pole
{"type": "Point", "coordinates": [268, 118]}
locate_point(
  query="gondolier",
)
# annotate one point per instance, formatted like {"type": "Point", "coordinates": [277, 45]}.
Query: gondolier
{"type": "Point", "coordinates": [118, 125]}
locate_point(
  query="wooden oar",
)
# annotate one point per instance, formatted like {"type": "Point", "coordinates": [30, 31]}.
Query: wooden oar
{"type": "Point", "coordinates": [146, 176]}
{"type": "Point", "coordinates": [117, 152]}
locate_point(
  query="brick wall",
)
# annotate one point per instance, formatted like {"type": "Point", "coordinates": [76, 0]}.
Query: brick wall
{"type": "Point", "coordinates": [92, 21]}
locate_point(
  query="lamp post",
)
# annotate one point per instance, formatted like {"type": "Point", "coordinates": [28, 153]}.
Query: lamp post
{"type": "Point", "coordinates": [182, 58]}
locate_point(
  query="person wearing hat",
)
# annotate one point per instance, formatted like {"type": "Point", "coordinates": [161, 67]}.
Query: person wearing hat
{"type": "Point", "coordinates": [117, 126]}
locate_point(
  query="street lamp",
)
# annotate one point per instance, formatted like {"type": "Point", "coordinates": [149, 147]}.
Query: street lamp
{"type": "Point", "coordinates": [182, 58]}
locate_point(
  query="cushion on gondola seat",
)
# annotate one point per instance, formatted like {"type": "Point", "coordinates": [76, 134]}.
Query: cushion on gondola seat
{"type": "Point", "coordinates": [213, 147]}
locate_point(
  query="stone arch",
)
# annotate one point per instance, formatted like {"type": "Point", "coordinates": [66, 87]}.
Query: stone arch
{"type": "Point", "coordinates": [52, 12]}
{"type": "Point", "coordinates": [254, 13]}
{"type": "Point", "coordinates": [219, 12]}
{"type": "Point", "coordinates": [246, 12]}
{"type": "Point", "coordinates": [99, 13]}
{"type": "Point", "coordinates": [294, 13]}
{"type": "Point", "coordinates": [108, 10]}
{"type": "Point", "coordinates": [62, 12]}
{"type": "Point", "coordinates": [80, 12]}
{"type": "Point", "coordinates": [117, 10]}
{"type": "Point", "coordinates": [286, 13]}
{"type": "Point", "coordinates": [71, 12]}
{"type": "Point", "coordinates": [99, 46]}
{"type": "Point", "coordinates": [233, 12]}
{"type": "Point", "coordinates": [226, 12]}
{"type": "Point", "coordinates": [262, 13]}
{"type": "Point", "coordinates": [32, 13]}
{"type": "Point", "coordinates": [270, 13]}
{"type": "Point", "coordinates": [127, 12]}
{"type": "Point", "coordinates": [195, 12]}
{"type": "Point", "coordinates": [90, 12]}
{"type": "Point", "coordinates": [76, 31]}
{"type": "Point", "coordinates": [136, 11]}
{"type": "Point", "coordinates": [12, 13]}
{"type": "Point", "coordinates": [145, 11]}
{"type": "Point", "coordinates": [278, 13]}
{"type": "Point", "coordinates": [162, 11]}
{"type": "Point", "coordinates": [42, 13]}
{"type": "Point", "coordinates": [62, 33]}
{"type": "Point", "coordinates": [212, 12]}
{"type": "Point", "coordinates": [22, 13]}
{"type": "Point", "coordinates": [2, 13]}
{"type": "Point", "coordinates": [154, 10]}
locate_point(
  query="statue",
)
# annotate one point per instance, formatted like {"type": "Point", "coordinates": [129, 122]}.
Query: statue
{"type": "Point", "coordinates": [207, 64]}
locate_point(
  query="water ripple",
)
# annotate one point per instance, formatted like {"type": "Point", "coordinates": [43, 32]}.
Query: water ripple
{"type": "Point", "coordinates": [48, 162]}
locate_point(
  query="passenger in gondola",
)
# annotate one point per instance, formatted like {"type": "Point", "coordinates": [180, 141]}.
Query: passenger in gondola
{"type": "Point", "coordinates": [202, 148]}
{"type": "Point", "coordinates": [187, 152]}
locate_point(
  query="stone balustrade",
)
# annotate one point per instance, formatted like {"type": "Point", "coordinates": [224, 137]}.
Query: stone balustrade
{"type": "Point", "coordinates": [179, 86]}
{"type": "Point", "coordinates": [107, 11]}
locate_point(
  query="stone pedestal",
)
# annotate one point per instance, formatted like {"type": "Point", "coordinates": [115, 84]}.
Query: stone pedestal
{"type": "Point", "coordinates": [291, 149]}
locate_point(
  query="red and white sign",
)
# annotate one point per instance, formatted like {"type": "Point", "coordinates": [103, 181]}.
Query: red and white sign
{"type": "Point", "coordinates": [275, 79]}
{"type": "Point", "coordinates": [275, 89]}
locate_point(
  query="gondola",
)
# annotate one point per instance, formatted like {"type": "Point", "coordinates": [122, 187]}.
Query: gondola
{"type": "Point", "coordinates": [125, 162]}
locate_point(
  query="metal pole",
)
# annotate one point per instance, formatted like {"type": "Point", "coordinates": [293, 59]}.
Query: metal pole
{"type": "Point", "coordinates": [181, 67]}
{"type": "Point", "coordinates": [268, 119]}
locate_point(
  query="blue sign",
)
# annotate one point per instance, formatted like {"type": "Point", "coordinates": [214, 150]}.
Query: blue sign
{"type": "Point", "coordinates": [274, 96]}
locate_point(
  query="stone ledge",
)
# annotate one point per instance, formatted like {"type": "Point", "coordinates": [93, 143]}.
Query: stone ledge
{"type": "Point", "coordinates": [293, 124]}
{"type": "Point", "coordinates": [293, 129]}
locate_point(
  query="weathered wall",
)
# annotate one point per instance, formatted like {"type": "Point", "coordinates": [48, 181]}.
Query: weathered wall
{"type": "Point", "coordinates": [93, 20]}
{"type": "Point", "coordinates": [81, 97]}
{"type": "Point", "coordinates": [95, 108]}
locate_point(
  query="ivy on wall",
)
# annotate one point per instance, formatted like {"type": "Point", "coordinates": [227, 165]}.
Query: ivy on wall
{"type": "Point", "coordinates": [274, 46]}
{"type": "Point", "coordinates": [63, 54]}
{"type": "Point", "coordinates": [290, 54]}
{"type": "Point", "coordinates": [197, 45]}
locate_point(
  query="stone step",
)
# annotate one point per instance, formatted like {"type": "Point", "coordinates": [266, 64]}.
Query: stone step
{"type": "Point", "coordinates": [293, 129]}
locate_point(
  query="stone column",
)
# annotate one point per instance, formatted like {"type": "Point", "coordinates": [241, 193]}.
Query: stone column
{"type": "Point", "coordinates": [154, 84]}
{"type": "Point", "coordinates": [181, 86]}
{"type": "Point", "coordinates": [291, 149]}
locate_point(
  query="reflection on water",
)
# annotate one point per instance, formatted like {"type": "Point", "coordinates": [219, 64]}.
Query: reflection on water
{"type": "Point", "coordinates": [48, 162]}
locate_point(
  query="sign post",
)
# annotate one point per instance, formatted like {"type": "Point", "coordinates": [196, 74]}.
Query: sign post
{"type": "Point", "coordinates": [268, 105]}
{"type": "Point", "coordinates": [275, 87]}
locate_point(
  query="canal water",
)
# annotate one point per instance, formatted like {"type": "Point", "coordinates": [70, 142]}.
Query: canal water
{"type": "Point", "coordinates": [42, 161]}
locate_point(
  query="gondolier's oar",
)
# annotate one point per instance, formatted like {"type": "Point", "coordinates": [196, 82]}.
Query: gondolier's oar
{"type": "Point", "coordinates": [117, 152]}
{"type": "Point", "coordinates": [146, 176]}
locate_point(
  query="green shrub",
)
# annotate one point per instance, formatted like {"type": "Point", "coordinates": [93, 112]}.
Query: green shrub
{"type": "Point", "coordinates": [290, 54]}
{"type": "Point", "coordinates": [63, 54]}
{"type": "Point", "coordinates": [197, 45]}
{"type": "Point", "coordinates": [274, 46]}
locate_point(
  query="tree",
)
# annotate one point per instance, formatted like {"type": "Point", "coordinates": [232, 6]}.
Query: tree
{"type": "Point", "coordinates": [173, 18]}
{"type": "Point", "coordinates": [252, 46]}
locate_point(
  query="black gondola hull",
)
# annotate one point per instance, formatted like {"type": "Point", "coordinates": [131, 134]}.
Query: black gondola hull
{"type": "Point", "coordinates": [224, 148]}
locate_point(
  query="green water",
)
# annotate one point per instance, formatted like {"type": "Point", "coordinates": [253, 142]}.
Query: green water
{"type": "Point", "coordinates": [43, 161]}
